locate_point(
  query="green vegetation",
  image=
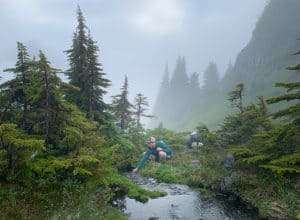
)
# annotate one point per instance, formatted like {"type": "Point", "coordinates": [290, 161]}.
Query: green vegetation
{"type": "Point", "coordinates": [60, 149]}
{"type": "Point", "coordinates": [182, 102]}
{"type": "Point", "coordinates": [266, 151]}
{"type": "Point", "coordinates": [275, 192]}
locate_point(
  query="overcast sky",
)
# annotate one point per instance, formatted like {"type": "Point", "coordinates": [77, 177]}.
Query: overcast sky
{"type": "Point", "coordinates": [135, 37]}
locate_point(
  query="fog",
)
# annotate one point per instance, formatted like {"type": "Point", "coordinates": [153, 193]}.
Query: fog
{"type": "Point", "coordinates": [137, 38]}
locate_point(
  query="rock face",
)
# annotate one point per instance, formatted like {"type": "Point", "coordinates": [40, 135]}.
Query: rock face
{"type": "Point", "coordinates": [259, 65]}
{"type": "Point", "coordinates": [263, 61]}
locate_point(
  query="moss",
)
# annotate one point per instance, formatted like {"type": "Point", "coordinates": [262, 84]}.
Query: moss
{"type": "Point", "coordinates": [112, 214]}
{"type": "Point", "coordinates": [125, 185]}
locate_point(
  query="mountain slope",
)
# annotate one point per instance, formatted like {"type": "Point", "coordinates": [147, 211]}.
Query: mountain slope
{"type": "Point", "coordinates": [259, 65]}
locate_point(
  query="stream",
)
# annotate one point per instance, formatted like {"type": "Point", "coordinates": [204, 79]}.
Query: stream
{"type": "Point", "coordinates": [181, 203]}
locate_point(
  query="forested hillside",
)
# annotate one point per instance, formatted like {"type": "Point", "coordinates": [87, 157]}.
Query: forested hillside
{"type": "Point", "coordinates": [181, 104]}
{"type": "Point", "coordinates": [61, 146]}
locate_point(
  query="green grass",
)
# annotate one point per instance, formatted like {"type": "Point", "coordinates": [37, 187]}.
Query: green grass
{"type": "Point", "coordinates": [262, 191]}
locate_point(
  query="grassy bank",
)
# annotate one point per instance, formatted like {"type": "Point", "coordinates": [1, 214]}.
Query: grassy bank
{"type": "Point", "coordinates": [203, 168]}
{"type": "Point", "coordinates": [71, 199]}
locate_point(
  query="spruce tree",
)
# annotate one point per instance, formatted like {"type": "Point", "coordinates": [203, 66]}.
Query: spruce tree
{"type": "Point", "coordinates": [236, 96]}
{"type": "Point", "coordinates": [292, 94]}
{"type": "Point", "coordinates": [287, 142]}
{"type": "Point", "coordinates": [16, 150]}
{"type": "Point", "coordinates": [194, 85]}
{"type": "Point", "coordinates": [178, 94]}
{"type": "Point", "coordinates": [179, 80]}
{"type": "Point", "coordinates": [85, 72]}
{"type": "Point", "coordinates": [48, 99]}
{"type": "Point", "coordinates": [211, 79]}
{"type": "Point", "coordinates": [122, 108]}
{"type": "Point", "coordinates": [163, 96]}
{"type": "Point", "coordinates": [140, 104]}
{"type": "Point", "coordinates": [15, 91]}
{"type": "Point", "coordinates": [96, 83]}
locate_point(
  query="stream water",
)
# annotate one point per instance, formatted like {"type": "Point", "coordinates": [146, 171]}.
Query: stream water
{"type": "Point", "coordinates": [181, 203]}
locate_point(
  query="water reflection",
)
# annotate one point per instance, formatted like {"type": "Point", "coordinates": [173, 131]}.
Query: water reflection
{"type": "Point", "coordinates": [181, 203]}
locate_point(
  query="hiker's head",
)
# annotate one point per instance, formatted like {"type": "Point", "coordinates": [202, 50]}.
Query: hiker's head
{"type": "Point", "coordinates": [151, 142]}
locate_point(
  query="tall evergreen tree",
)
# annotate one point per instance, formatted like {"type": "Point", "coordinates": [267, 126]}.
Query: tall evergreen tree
{"type": "Point", "coordinates": [194, 91]}
{"type": "Point", "coordinates": [236, 96]}
{"type": "Point", "coordinates": [162, 97]}
{"type": "Point", "coordinates": [293, 94]}
{"type": "Point", "coordinates": [77, 57]}
{"type": "Point", "coordinates": [140, 104]}
{"type": "Point", "coordinates": [85, 72]}
{"type": "Point", "coordinates": [194, 84]}
{"type": "Point", "coordinates": [287, 143]}
{"type": "Point", "coordinates": [178, 92]}
{"type": "Point", "coordinates": [164, 89]}
{"type": "Point", "coordinates": [122, 108]}
{"type": "Point", "coordinates": [179, 80]}
{"type": "Point", "coordinates": [166, 81]}
{"type": "Point", "coordinates": [48, 99]}
{"type": "Point", "coordinates": [211, 79]}
{"type": "Point", "coordinates": [15, 91]}
{"type": "Point", "coordinates": [96, 83]}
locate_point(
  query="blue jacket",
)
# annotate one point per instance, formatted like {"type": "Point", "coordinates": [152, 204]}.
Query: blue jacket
{"type": "Point", "coordinates": [153, 151]}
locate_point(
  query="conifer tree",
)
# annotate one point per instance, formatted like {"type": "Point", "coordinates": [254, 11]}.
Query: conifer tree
{"type": "Point", "coordinates": [236, 96]}
{"type": "Point", "coordinates": [16, 149]}
{"type": "Point", "coordinates": [122, 108]}
{"type": "Point", "coordinates": [166, 81]}
{"type": "Point", "coordinates": [77, 57]}
{"type": "Point", "coordinates": [85, 72]}
{"type": "Point", "coordinates": [293, 94]}
{"type": "Point", "coordinates": [15, 91]}
{"type": "Point", "coordinates": [163, 90]}
{"type": "Point", "coordinates": [211, 79]}
{"type": "Point", "coordinates": [194, 84]}
{"type": "Point", "coordinates": [96, 83]}
{"type": "Point", "coordinates": [179, 80]}
{"type": "Point", "coordinates": [178, 92]}
{"type": "Point", "coordinates": [48, 99]}
{"type": "Point", "coordinates": [140, 104]}
{"type": "Point", "coordinates": [286, 144]}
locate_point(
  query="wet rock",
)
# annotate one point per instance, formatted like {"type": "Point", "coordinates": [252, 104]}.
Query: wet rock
{"type": "Point", "coordinates": [229, 161]}
{"type": "Point", "coordinates": [151, 180]}
{"type": "Point", "coordinates": [227, 181]}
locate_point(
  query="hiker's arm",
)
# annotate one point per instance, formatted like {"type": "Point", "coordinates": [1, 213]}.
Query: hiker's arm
{"type": "Point", "coordinates": [142, 161]}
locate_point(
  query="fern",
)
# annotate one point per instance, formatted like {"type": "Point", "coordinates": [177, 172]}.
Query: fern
{"type": "Point", "coordinates": [280, 169]}
{"type": "Point", "coordinates": [51, 165]}
{"type": "Point", "coordinates": [242, 151]}
{"type": "Point", "coordinates": [255, 159]}
{"type": "Point", "coordinates": [81, 171]}
{"type": "Point", "coordinates": [288, 159]}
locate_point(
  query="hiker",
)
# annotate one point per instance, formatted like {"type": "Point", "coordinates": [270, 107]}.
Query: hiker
{"type": "Point", "coordinates": [156, 150]}
{"type": "Point", "coordinates": [194, 137]}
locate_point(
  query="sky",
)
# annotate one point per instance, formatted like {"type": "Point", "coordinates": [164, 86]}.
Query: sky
{"type": "Point", "coordinates": [137, 38]}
